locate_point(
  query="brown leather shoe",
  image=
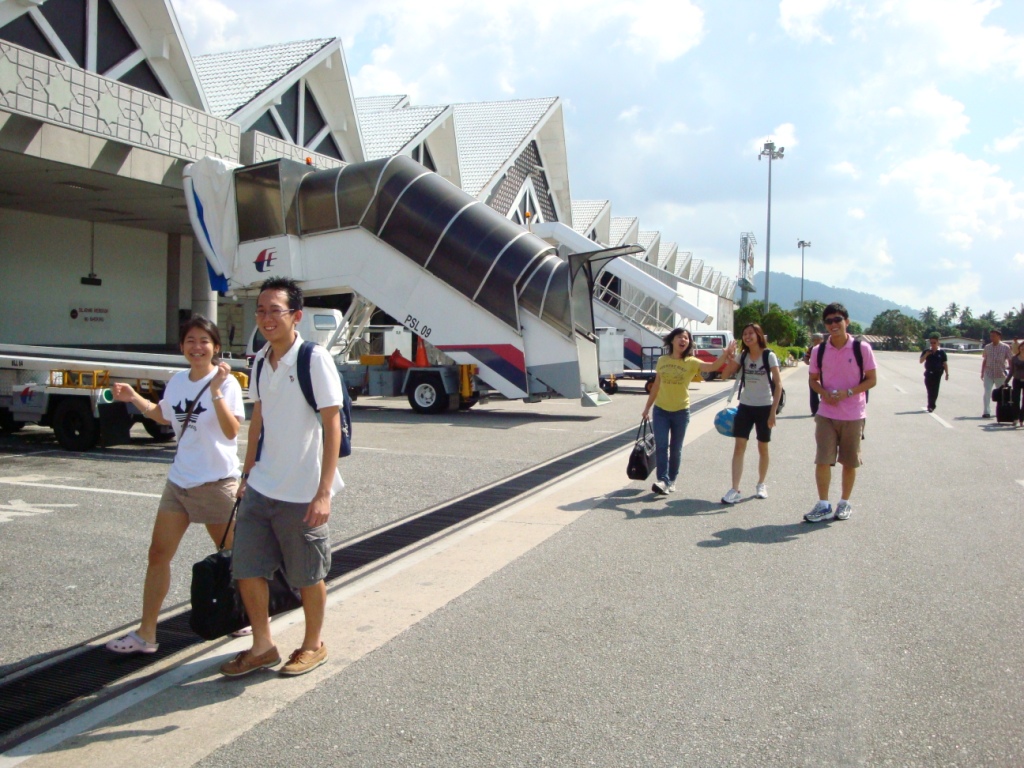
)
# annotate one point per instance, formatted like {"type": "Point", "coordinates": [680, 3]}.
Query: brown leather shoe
{"type": "Point", "coordinates": [301, 662]}
{"type": "Point", "coordinates": [247, 662]}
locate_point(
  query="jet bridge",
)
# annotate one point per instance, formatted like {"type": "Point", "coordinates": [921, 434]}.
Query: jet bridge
{"type": "Point", "coordinates": [465, 278]}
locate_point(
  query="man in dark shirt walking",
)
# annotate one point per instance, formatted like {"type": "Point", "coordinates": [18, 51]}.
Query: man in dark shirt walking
{"type": "Point", "coordinates": [934, 360]}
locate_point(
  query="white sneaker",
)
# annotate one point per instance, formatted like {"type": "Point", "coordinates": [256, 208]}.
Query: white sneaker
{"type": "Point", "coordinates": [821, 513]}
{"type": "Point", "coordinates": [762, 491]}
{"type": "Point", "coordinates": [843, 510]}
{"type": "Point", "coordinates": [660, 487]}
{"type": "Point", "coordinates": [671, 487]}
{"type": "Point", "coordinates": [731, 496]}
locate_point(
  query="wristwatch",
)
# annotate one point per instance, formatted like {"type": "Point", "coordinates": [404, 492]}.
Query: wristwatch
{"type": "Point", "coordinates": [849, 393]}
{"type": "Point", "coordinates": [215, 398]}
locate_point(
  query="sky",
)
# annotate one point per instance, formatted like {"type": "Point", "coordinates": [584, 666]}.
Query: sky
{"type": "Point", "coordinates": [902, 120]}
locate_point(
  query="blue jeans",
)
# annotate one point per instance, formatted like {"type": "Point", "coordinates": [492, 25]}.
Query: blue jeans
{"type": "Point", "coordinates": [669, 431]}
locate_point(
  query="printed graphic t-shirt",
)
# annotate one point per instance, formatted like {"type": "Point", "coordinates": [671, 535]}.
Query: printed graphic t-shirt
{"type": "Point", "coordinates": [204, 453]}
{"type": "Point", "coordinates": [757, 387]}
{"type": "Point", "coordinates": [676, 375]}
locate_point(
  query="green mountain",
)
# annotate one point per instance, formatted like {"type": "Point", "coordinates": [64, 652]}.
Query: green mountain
{"type": "Point", "coordinates": [863, 307]}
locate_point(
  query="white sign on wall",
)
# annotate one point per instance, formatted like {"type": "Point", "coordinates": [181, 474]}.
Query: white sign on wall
{"type": "Point", "coordinates": [89, 314]}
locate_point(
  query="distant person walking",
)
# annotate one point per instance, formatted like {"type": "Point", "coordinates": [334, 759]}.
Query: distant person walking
{"type": "Point", "coordinates": [670, 398]}
{"type": "Point", "coordinates": [204, 407]}
{"type": "Point", "coordinates": [1017, 369]}
{"type": "Point", "coordinates": [816, 339]}
{"type": "Point", "coordinates": [995, 359]}
{"type": "Point", "coordinates": [935, 364]}
{"type": "Point", "coordinates": [842, 371]}
{"type": "Point", "coordinates": [760, 392]}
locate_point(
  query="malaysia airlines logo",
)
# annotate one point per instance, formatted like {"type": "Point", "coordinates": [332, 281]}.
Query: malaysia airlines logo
{"type": "Point", "coordinates": [266, 258]}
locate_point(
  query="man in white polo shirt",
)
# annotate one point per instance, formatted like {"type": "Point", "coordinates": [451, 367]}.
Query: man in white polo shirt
{"type": "Point", "coordinates": [288, 478]}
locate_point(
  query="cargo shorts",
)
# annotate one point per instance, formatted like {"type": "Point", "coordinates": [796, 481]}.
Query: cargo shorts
{"type": "Point", "coordinates": [270, 536]}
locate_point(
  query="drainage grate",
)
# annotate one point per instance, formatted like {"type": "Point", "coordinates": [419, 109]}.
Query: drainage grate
{"type": "Point", "coordinates": [47, 691]}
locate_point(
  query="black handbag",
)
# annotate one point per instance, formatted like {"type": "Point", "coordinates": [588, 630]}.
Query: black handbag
{"type": "Point", "coordinates": [217, 608]}
{"type": "Point", "coordinates": [641, 458]}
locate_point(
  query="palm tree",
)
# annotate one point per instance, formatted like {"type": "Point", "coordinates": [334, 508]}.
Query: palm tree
{"type": "Point", "coordinates": [808, 314]}
{"type": "Point", "coordinates": [966, 315]}
{"type": "Point", "coordinates": [929, 317]}
{"type": "Point", "coordinates": [951, 313]}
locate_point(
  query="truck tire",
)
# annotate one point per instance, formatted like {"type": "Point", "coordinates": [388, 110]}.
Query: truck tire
{"type": "Point", "coordinates": [161, 433]}
{"type": "Point", "coordinates": [74, 425]}
{"type": "Point", "coordinates": [709, 375]}
{"type": "Point", "coordinates": [649, 386]}
{"type": "Point", "coordinates": [609, 387]}
{"type": "Point", "coordinates": [466, 403]}
{"type": "Point", "coordinates": [8, 425]}
{"type": "Point", "coordinates": [427, 395]}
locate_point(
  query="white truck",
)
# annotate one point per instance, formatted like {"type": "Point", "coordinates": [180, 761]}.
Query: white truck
{"type": "Point", "coordinates": [69, 390]}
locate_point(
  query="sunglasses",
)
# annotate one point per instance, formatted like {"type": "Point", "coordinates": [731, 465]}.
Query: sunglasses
{"type": "Point", "coordinates": [834, 320]}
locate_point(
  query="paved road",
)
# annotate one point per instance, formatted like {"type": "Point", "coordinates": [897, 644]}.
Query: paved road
{"type": "Point", "coordinates": [639, 631]}
{"type": "Point", "coordinates": [74, 528]}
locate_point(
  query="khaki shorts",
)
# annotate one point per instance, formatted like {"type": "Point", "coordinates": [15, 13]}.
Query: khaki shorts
{"type": "Point", "coordinates": [270, 535]}
{"type": "Point", "coordinates": [838, 437]}
{"type": "Point", "coordinates": [209, 503]}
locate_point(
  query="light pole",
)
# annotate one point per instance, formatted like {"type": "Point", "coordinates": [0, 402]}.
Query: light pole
{"type": "Point", "coordinates": [801, 244]}
{"type": "Point", "coordinates": [771, 153]}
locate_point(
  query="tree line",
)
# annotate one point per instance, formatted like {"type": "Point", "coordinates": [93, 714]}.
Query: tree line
{"type": "Point", "coordinates": [794, 327]}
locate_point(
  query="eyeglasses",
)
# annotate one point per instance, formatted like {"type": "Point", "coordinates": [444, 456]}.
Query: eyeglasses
{"type": "Point", "coordinates": [834, 320]}
{"type": "Point", "coordinates": [273, 314]}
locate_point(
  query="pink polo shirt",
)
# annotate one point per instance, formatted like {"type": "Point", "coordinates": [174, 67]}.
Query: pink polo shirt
{"type": "Point", "coordinates": [842, 373]}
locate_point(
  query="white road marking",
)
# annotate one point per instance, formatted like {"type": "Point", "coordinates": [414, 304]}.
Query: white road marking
{"type": "Point", "coordinates": [1021, 483]}
{"type": "Point", "coordinates": [553, 429]}
{"type": "Point", "coordinates": [34, 483]}
{"type": "Point", "coordinates": [21, 508]}
{"type": "Point", "coordinates": [899, 389]}
{"type": "Point", "coordinates": [943, 423]}
{"type": "Point", "coordinates": [27, 455]}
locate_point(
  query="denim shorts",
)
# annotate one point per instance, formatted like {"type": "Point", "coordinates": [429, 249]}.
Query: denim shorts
{"type": "Point", "coordinates": [270, 535]}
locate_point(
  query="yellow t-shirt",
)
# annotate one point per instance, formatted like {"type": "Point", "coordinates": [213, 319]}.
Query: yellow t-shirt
{"type": "Point", "coordinates": [676, 375]}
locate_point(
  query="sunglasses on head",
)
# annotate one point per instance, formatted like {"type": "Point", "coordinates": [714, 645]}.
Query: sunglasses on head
{"type": "Point", "coordinates": [835, 319]}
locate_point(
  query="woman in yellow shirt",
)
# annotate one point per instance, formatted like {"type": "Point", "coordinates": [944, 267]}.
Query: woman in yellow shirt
{"type": "Point", "coordinates": [670, 397]}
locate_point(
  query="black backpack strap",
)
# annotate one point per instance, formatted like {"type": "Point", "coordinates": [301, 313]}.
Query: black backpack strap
{"type": "Point", "coordinates": [259, 369]}
{"type": "Point", "coordinates": [743, 374]}
{"type": "Point", "coordinates": [302, 371]}
{"type": "Point", "coordinates": [767, 369]}
{"type": "Point", "coordinates": [821, 359]}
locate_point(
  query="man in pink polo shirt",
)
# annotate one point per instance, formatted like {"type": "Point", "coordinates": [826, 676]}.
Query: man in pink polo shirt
{"type": "Point", "coordinates": [842, 371]}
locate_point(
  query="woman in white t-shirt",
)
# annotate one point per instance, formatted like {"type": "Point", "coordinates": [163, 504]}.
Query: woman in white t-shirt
{"type": "Point", "coordinates": [203, 479]}
{"type": "Point", "coordinates": [759, 403]}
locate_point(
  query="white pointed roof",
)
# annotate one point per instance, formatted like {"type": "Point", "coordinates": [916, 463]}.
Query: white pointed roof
{"type": "Point", "coordinates": [621, 228]}
{"type": "Point", "coordinates": [233, 79]}
{"type": "Point", "coordinates": [388, 131]}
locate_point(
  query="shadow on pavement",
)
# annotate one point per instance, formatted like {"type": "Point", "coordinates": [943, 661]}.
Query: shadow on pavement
{"type": "Point", "coordinates": [625, 501]}
{"type": "Point", "coordinates": [762, 534]}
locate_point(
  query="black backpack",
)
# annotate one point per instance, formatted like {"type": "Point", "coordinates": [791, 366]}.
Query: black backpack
{"type": "Point", "coordinates": [306, 385]}
{"type": "Point", "coordinates": [768, 373]}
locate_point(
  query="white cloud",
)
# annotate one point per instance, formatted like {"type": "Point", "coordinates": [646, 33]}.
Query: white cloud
{"type": "Point", "coordinates": [801, 19]}
{"type": "Point", "coordinates": [845, 168]}
{"type": "Point", "coordinates": [1008, 143]}
{"type": "Point", "coordinates": [856, 213]}
{"type": "Point", "coordinates": [967, 197]}
{"type": "Point", "coordinates": [206, 25]}
{"type": "Point", "coordinates": [665, 31]}
{"type": "Point", "coordinates": [630, 115]}
{"type": "Point", "coordinates": [1018, 261]}
{"type": "Point", "coordinates": [378, 79]}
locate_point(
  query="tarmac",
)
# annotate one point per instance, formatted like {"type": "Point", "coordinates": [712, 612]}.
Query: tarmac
{"type": "Point", "coordinates": [592, 623]}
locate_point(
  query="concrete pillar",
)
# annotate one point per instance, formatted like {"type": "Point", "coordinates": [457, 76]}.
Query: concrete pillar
{"type": "Point", "coordinates": [204, 300]}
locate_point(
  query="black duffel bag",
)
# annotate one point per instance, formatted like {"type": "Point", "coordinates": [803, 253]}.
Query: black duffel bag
{"type": "Point", "coordinates": [217, 608]}
{"type": "Point", "coordinates": [641, 458]}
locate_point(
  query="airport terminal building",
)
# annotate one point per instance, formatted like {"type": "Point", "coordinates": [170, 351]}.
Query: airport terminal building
{"type": "Point", "coordinates": [102, 106]}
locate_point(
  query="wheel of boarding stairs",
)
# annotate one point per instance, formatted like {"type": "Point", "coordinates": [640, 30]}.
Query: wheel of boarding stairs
{"type": "Point", "coordinates": [74, 425]}
{"type": "Point", "coordinates": [8, 423]}
{"type": "Point", "coordinates": [427, 395]}
{"type": "Point", "coordinates": [649, 386]}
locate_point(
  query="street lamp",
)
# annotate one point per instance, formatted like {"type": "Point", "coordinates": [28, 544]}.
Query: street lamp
{"type": "Point", "coordinates": [771, 153]}
{"type": "Point", "coordinates": [801, 244]}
